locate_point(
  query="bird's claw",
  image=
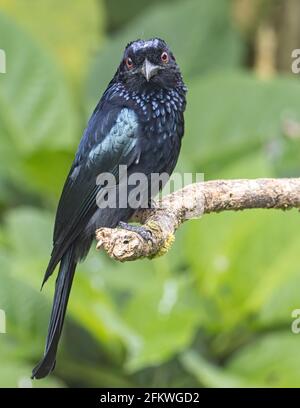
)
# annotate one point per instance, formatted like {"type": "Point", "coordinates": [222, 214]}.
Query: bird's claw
{"type": "Point", "coordinates": [141, 231]}
{"type": "Point", "coordinates": [152, 204]}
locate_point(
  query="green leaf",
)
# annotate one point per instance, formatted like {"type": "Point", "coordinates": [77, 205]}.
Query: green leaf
{"type": "Point", "coordinates": [47, 170]}
{"type": "Point", "coordinates": [223, 126]}
{"type": "Point", "coordinates": [15, 372]}
{"type": "Point", "coordinates": [36, 109]}
{"type": "Point", "coordinates": [164, 320]}
{"type": "Point", "coordinates": [270, 361]}
{"type": "Point", "coordinates": [70, 34]}
{"type": "Point", "coordinates": [118, 16]}
{"type": "Point", "coordinates": [209, 374]}
{"type": "Point", "coordinates": [30, 231]}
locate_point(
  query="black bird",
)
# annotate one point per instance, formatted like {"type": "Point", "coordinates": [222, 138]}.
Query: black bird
{"type": "Point", "coordinates": [139, 123]}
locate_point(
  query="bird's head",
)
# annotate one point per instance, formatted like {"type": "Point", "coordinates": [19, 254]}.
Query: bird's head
{"type": "Point", "coordinates": [148, 64]}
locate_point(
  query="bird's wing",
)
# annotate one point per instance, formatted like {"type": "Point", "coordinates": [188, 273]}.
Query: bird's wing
{"type": "Point", "coordinates": [110, 139]}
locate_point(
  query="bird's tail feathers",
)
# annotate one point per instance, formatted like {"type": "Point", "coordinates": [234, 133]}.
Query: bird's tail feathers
{"type": "Point", "coordinates": [62, 290]}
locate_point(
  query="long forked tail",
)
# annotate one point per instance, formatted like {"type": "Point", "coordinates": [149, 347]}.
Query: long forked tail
{"type": "Point", "coordinates": [62, 290]}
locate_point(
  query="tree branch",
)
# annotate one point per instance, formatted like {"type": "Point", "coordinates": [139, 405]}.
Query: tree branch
{"type": "Point", "coordinates": [192, 202]}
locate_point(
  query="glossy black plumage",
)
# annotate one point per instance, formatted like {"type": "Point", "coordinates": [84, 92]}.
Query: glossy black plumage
{"type": "Point", "coordinates": [139, 123]}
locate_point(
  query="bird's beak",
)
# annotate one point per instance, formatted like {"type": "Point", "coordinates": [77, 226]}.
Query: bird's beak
{"type": "Point", "coordinates": [149, 69]}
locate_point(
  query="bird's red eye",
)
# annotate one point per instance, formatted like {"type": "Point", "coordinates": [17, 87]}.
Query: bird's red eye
{"type": "Point", "coordinates": [164, 57]}
{"type": "Point", "coordinates": [129, 63]}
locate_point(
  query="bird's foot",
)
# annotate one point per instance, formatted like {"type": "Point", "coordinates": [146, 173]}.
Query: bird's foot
{"type": "Point", "coordinates": [152, 204]}
{"type": "Point", "coordinates": [141, 231]}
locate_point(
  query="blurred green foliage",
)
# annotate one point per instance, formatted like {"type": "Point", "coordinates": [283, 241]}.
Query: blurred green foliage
{"type": "Point", "coordinates": [216, 310]}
